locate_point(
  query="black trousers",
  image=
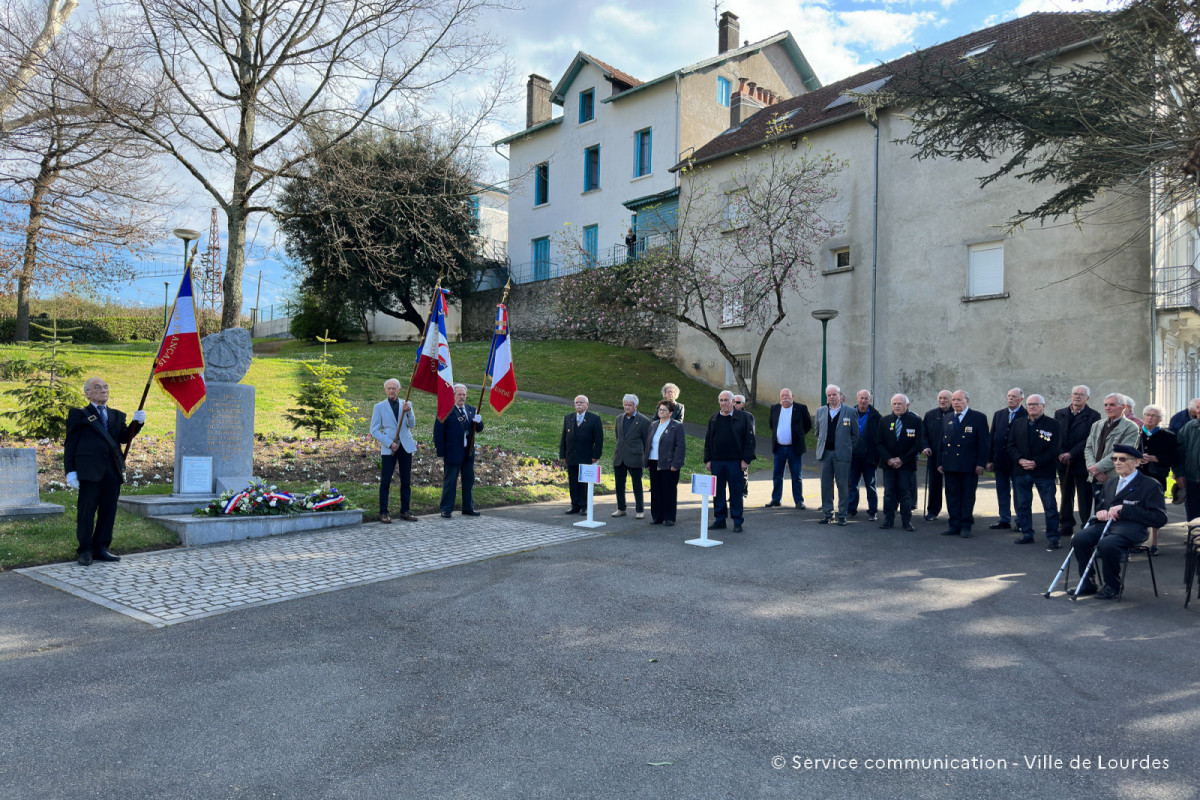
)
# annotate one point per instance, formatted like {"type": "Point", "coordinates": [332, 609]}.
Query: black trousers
{"type": "Point", "coordinates": [664, 493]}
{"type": "Point", "coordinates": [635, 474]}
{"type": "Point", "coordinates": [1109, 551]}
{"type": "Point", "coordinates": [402, 459]}
{"type": "Point", "coordinates": [96, 512]}
{"type": "Point", "coordinates": [933, 492]}
{"type": "Point", "coordinates": [899, 491]}
{"type": "Point", "coordinates": [960, 499]}
{"type": "Point", "coordinates": [1075, 489]}
{"type": "Point", "coordinates": [578, 490]}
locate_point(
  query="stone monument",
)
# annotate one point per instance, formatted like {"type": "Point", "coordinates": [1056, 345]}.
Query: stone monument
{"type": "Point", "coordinates": [19, 497]}
{"type": "Point", "coordinates": [223, 428]}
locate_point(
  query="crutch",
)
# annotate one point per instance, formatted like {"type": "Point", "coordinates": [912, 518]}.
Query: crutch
{"type": "Point", "coordinates": [1088, 568]}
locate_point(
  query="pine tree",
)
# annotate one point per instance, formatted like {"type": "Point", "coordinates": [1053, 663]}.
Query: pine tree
{"type": "Point", "coordinates": [47, 396]}
{"type": "Point", "coordinates": [321, 403]}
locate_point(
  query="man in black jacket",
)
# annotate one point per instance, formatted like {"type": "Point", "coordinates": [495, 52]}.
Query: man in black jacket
{"type": "Point", "coordinates": [1033, 449]}
{"type": "Point", "coordinates": [931, 426]}
{"type": "Point", "coordinates": [728, 450]}
{"type": "Point", "coordinates": [582, 442]}
{"type": "Point", "coordinates": [1074, 424]}
{"type": "Point", "coordinates": [998, 461]}
{"type": "Point", "coordinates": [863, 462]}
{"type": "Point", "coordinates": [790, 422]}
{"type": "Point", "coordinates": [900, 440]}
{"type": "Point", "coordinates": [93, 462]}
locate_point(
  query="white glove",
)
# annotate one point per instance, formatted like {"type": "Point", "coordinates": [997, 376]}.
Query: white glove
{"type": "Point", "coordinates": [73, 480]}
{"type": "Point", "coordinates": [139, 416]}
{"type": "Point", "coordinates": [478, 418]}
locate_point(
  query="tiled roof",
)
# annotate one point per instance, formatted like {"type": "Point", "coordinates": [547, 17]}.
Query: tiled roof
{"type": "Point", "coordinates": [1027, 36]}
{"type": "Point", "coordinates": [622, 77]}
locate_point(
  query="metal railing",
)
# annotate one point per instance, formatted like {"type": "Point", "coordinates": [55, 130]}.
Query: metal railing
{"type": "Point", "coordinates": [530, 272]}
{"type": "Point", "coordinates": [1177, 287]}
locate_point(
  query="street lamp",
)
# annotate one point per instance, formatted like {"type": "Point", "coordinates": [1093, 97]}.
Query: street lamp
{"type": "Point", "coordinates": [824, 314]}
{"type": "Point", "coordinates": [166, 303]}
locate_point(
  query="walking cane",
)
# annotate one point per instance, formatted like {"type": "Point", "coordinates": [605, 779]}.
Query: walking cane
{"type": "Point", "coordinates": [1088, 568]}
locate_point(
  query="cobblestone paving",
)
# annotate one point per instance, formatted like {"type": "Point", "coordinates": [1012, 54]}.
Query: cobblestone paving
{"type": "Point", "coordinates": [171, 586]}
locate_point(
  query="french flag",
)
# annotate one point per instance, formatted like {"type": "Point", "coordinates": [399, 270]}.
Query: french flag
{"type": "Point", "coordinates": [179, 367]}
{"type": "Point", "coordinates": [432, 372]}
{"type": "Point", "coordinates": [500, 365]}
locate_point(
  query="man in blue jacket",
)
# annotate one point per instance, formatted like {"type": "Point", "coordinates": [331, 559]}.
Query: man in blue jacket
{"type": "Point", "coordinates": [963, 455]}
{"type": "Point", "coordinates": [454, 439]}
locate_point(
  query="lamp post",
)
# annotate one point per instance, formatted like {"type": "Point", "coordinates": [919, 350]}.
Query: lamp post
{"type": "Point", "coordinates": [166, 303]}
{"type": "Point", "coordinates": [188, 235]}
{"type": "Point", "coordinates": [824, 315]}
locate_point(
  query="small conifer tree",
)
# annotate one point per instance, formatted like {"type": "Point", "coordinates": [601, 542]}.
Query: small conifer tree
{"type": "Point", "coordinates": [49, 392]}
{"type": "Point", "coordinates": [321, 403]}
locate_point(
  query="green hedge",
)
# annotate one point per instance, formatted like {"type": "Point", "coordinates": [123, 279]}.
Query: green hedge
{"type": "Point", "coordinates": [106, 330]}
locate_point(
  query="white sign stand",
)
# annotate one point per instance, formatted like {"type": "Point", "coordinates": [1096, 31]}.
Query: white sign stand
{"type": "Point", "coordinates": [706, 487]}
{"type": "Point", "coordinates": [589, 474]}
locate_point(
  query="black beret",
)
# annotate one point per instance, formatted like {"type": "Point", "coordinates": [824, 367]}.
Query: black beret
{"type": "Point", "coordinates": [1128, 450]}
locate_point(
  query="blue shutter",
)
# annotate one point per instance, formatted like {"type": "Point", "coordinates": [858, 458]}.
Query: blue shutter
{"type": "Point", "coordinates": [723, 91]}
{"type": "Point", "coordinates": [541, 259]}
{"type": "Point", "coordinates": [591, 243]}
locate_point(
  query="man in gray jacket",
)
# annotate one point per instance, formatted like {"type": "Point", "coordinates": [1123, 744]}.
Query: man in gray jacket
{"type": "Point", "coordinates": [633, 439]}
{"type": "Point", "coordinates": [837, 434]}
{"type": "Point", "coordinates": [393, 428]}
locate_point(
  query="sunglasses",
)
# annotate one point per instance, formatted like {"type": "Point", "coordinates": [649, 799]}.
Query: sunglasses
{"type": "Point", "coordinates": [1119, 459]}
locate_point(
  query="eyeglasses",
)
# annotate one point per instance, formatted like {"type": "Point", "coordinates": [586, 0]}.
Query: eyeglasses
{"type": "Point", "coordinates": [1119, 459]}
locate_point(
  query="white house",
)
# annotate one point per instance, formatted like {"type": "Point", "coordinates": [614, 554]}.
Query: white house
{"type": "Point", "coordinates": [578, 180]}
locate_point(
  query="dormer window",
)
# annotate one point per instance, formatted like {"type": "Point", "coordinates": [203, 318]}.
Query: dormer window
{"type": "Point", "coordinates": [587, 105]}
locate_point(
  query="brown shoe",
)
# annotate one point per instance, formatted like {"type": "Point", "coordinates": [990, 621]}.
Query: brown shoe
{"type": "Point", "coordinates": [404, 515]}
{"type": "Point", "coordinates": [386, 518]}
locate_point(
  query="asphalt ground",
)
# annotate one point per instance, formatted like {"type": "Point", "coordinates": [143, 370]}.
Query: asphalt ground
{"type": "Point", "coordinates": [628, 666]}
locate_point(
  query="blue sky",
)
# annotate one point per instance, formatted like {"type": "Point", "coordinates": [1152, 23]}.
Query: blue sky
{"type": "Point", "coordinates": [648, 38]}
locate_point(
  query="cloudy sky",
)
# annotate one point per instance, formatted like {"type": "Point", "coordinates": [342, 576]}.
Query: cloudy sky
{"type": "Point", "coordinates": [649, 38]}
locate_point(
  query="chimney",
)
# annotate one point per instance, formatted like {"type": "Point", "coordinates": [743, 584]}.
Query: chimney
{"type": "Point", "coordinates": [537, 101]}
{"type": "Point", "coordinates": [728, 30]}
{"type": "Point", "coordinates": [742, 106]}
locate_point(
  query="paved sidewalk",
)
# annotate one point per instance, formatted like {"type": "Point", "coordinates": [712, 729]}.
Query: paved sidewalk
{"type": "Point", "coordinates": [171, 586]}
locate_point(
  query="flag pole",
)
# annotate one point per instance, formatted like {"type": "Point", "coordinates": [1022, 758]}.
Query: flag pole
{"type": "Point", "coordinates": [491, 353]}
{"type": "Point", "coordinates": [424, 333]}
{"type": "Point", "coordinates": [154, 363]}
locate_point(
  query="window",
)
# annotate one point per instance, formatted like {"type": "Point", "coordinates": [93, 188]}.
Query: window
{"type": "Point", "coordinates": [541, 184]}
{"type": "Point", "coordinates": [591, 168]}
{"type": "Point", "coordinates": [723, 91]}
{"type": "Point", "coordinates": [541, 259]}
{"type": "Point", "coordinates": [587, 105]}
{"type": "Point", "coordinates": [591, 243]}
{"type": "Point", "coordinates": [733, 313]}
{"type": "Point", "coordinates": [641, 153]}
{"type": "Point", "coordinates": [735, 210]}
{"type": "Point", "coordinates": [840, 258]}
{"type": "Point", "coordinates": [744, 368]}
{"type": "Point", "coordinates": [473, 204]}
{"type": "Point", "coordinates": [985, 269]}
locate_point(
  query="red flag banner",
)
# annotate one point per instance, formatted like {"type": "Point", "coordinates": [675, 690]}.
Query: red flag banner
{"type": "Point", "coordinates": [500, 365]}
{"type": "Point", "coordinates": [432, 372]}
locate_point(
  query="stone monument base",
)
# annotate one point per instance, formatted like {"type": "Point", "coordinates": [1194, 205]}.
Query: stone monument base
{"type": "Point", "coordinates": [32, 511]}
{"type": "Point", "coordinates": [193, 531]}
{"type": "Point", "coordinates": [158, 505]}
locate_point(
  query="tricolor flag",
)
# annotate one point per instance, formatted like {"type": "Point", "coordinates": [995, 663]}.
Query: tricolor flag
{"type": "Point", "coordinates": [432, 372]}
{"type": "Point", "coordinates": [500, 365]}
{"type": "Point", "coordinates": [179, 368]}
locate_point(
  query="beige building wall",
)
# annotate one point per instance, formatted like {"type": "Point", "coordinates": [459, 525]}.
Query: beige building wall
{"type": "Point", "coordinates": [1070, 312]}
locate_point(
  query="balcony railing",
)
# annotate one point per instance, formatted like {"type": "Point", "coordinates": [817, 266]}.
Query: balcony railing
{"type": "Point", "coordinates": [618, 254]}
{"type": "Point", "coordinates": [1177, 287]}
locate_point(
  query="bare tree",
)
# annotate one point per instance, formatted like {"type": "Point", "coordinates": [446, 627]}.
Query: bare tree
{"type": "Point", "coordinates": [23, 47]}
{"type": "Point", "coordinates": [741, 255]}
{"type": "Point", "coordinates": [258, 87]}
{"type": "Point", "coordinates": [77, 189]}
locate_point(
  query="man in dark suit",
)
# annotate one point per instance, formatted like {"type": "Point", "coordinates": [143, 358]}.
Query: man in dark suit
{"type": "Point", "coordinates": [998, 461]}
{"type": "Point", "coordinates": [93, 462]}
{"type": "Point", "coordinates": [1134, 503]}
{"type": "Point", "coordinates": [1185, 416]}
{"type": "Point", "coordinates": [899, 443]}
{"type": "Point", "coordinates": [633, 439]}
{"type": "Point", "coordinates": [454, 439]}
{"type": "Point", "coordinates": [1033, 449]}
{"type": "Point", "coordinates": [863, 461]}
{"type": "Point", "coordinates": [790, 422]}
{"type": "Point", "coordinates": [963, 456]}
{"type": "Point", "coordinates": [931, 427]}
{"type": "Point", "coordinates": [1074, 424]}
{"type": "Point", "coordinates": [582, 442]}
{"type": "Point", "coordinates": [728, 451]}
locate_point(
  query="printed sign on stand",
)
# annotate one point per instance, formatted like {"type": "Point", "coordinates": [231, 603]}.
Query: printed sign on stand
{"type": "Point", "coordinates": [706, 487]}
{"type": "Point", "coordinates": [589, 474]}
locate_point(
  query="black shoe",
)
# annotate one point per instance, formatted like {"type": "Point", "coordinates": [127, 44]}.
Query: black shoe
{"type": "Point", "coordinates": [908, 526]}
{"type": "Point", "coordinates": [1084, 589]}
{"type": "Point", "coordinates": [719, 525]}
{"type": "Point", "coordinates": [446, 515]}
{"type": "Point", "coordinates": [930, 517]}
{"type": "Point", "coordinates": [1052, 545]}
{"type": "Point", "coordinates": [1026, 539]}
{"type": "Point", "coordinates": [471, 513]}
{"type": "Point", "coordinates": [737, 528]}
{"type": "Point", "coordinates": [824, 520]}
{"type": "Point", "coordinates": [773, 504]}
{"type": "Point", "coordinates": [84, 559]}
{"type": "Point", "coordinates": [871, 516]}
{"type": "Point", "coordinates": [1000, 526]}
{"type": "Point", "coordinates": [965, 533]}
{"type": "Point", "coordinates": [887, 523]}
{"type": "Point", "coordinates": [841, 520]}
{"type": "Point", "coordinates": [854, 513]}
{"type": "Point", "coordinates": [801, 505]}
{"type": "Point", "coordinates": [657, 522]}
{"type": "Point", "coordinates": [1154, 550]}
{"type": "Point", "coordinates": [669, 522]}
{"type": "Point", "coordinates": [103, 555]}
{"type": "Point", "coordinates": [573, 510]}
{"type": "Point", "coordinates": [950, 532]}
{"type": "Point", "coordinates": [1107, 593]}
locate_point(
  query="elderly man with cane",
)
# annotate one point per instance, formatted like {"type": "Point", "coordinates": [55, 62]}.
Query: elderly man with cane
{"type": "Point", "coordinates": [1129, 506]}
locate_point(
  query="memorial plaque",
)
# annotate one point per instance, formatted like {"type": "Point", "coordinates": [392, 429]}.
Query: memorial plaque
{"type": "Point", "coordinates": [18, 476]}
{"type": "Point", "coordinates": [222, 429]}
{"type": "Point", "coordinates": [197, 475]}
